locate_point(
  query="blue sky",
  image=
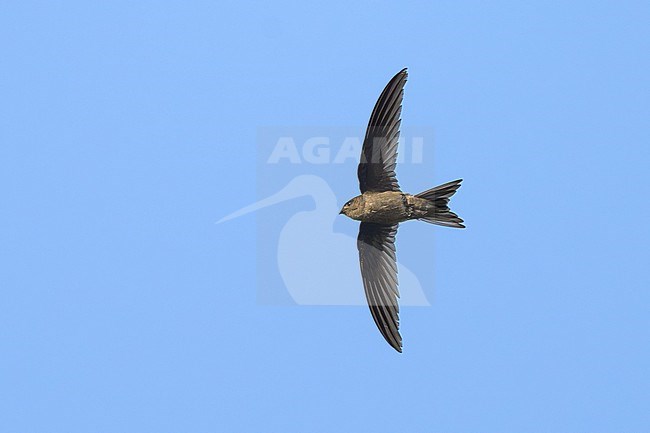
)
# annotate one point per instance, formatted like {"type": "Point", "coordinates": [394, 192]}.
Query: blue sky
{"type": "Point", "coordinates": [127, 129]}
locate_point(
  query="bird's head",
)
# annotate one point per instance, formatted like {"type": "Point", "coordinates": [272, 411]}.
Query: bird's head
{"type": "Point", "coordinates": [353, 208]}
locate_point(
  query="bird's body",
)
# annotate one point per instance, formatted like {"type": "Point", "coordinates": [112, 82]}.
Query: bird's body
{"type": "Point", "coordinates": [388, 207]}
{"type": "Point", "coordinates": [382, 206]}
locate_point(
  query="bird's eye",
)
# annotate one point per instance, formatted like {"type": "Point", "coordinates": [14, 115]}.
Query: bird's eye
{"type": "Point", "coordinates": [348, 203]}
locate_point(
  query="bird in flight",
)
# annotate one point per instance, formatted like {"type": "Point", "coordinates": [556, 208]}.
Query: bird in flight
{"type": "Point", "coordinates": [382, 206]}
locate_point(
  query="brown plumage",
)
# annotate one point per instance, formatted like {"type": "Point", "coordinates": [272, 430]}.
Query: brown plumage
{"type": "Point", "coordinates": [382, 206]}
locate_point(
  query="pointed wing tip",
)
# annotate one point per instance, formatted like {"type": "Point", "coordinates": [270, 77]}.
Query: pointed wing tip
{"type": "Point", "coordinates": [394, 339]}
{"type": "Point", "coordinates": [403, 73]}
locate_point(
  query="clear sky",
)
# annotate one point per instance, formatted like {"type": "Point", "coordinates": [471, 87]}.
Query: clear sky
{"type": "Point", "coordinates": [127, 129]}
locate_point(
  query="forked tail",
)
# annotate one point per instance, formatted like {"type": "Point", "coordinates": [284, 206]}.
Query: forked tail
{"type": "Point", "coordinates": [439, 196]}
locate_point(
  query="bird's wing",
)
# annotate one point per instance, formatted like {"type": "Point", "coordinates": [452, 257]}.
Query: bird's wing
{"type": "Point", "coordinates": [376, 244]}
{"type": "Point", "coordinates": [379, 154]}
